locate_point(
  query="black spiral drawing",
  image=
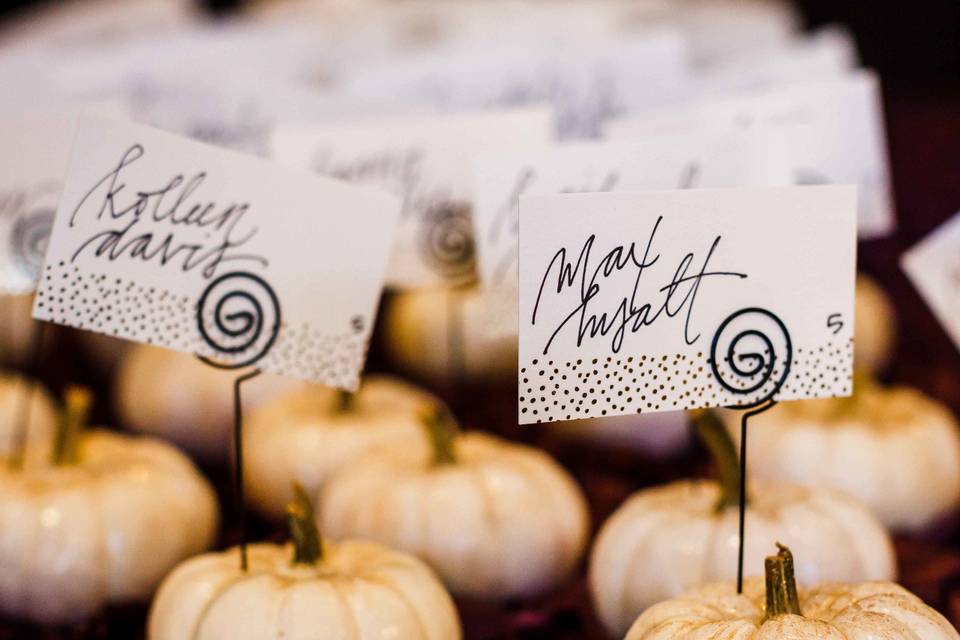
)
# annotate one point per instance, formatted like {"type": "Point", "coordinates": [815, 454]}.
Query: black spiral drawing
{"type": "Point", "coordinates": [751, 354]}
{"type": "Point", "coordinates": [238, 316]}
{"type": "Point", "coordinates": [29, 239]}
{"type": "Point", "coordinates": [447, 241]}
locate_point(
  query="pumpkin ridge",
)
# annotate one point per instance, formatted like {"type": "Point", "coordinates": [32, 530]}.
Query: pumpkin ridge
{"type": "Point", "coordinates": [351, 618]}
{"type": "Point", "coordinates": [878, 619]}
{"type": "Point", "coordinates": [531, 470]}
{"type": "Point", "coordinates": [894, 601]}
{"type": "Point", "coordinates": [491, 533]}
{"type": "Point", "coordinates": [217, 593]}
{"type": "Point", "coordinates": [708, 558]}
{"type": "Point", "coordinates": [636, 559]}
{"type": "Point", "coordinates": [104, 561]}
{"type": "Point", "coordinates": [853, 519]}
{"type": "Point", "coordinates": [402, 597]}
{"type": "Point", "coordinates": [279, 604]}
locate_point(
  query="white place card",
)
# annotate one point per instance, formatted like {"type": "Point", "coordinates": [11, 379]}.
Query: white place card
{"type": "Point", "coordinates": [835, 129]}
{"type": "Point", "coordinates": [737, 159]}
{"type": "Point", "coordinates": [427, 162]}
{"type": "Point", "coordinates": [636, 302]}
{"type": "Point", "coordinates": [829, 54]}
{"type": "Point", "coordinates": [167, 241]}
{"type": "Point", "coordinates": [587, 84]}
{"type": "Point", "coordinates": [33, 162]}
{"type": "Point", "coordinates": [36, 150]}
{"type": "Point", "coordinates": [933, 265]}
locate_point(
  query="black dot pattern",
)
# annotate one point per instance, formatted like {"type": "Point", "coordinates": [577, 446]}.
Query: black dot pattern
{"type": "Point", "coordinates": [126, 309]}
{"type": "Point", "coordinates": [553, 390]}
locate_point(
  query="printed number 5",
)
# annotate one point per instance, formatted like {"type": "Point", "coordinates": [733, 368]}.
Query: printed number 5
{"type": "Point", "coordinates": [835, 322]}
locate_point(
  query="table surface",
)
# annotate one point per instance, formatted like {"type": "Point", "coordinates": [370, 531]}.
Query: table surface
{"type": "Point", "coordinates": [925, 155]}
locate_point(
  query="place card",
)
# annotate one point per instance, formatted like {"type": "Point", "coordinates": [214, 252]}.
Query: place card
{"type": "Point", "coordinates": [828, 54]}
{"type": "Point", "coordinates": [636, 302]}
{"type": "Point", "coordinates": [835, 130]}
{"type": "Point", "coordinates": [587, 82]}
{"type": "Point", "coordinates": [427, 162]}
{"type": "Point", "coordinates": [933, 266]}
{"type": "Point", "coordinates": [36, 150]}
{"type": "Point", "coordinates": [736, 159]}
{"type": "Point", "coordinates": [167, 241]}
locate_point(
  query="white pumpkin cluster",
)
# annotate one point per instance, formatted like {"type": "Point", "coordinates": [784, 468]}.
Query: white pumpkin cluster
{"type": "Point", "coordinates": [895, 449]}
{"type": "Point", "coordinates": [308, 589]}
{"type": "Point", "coordinates": [410, 509]}
{"type": "Point", "coordinates": [98, 519]}
{"type": "Point", "coordinates": [495, 519]}
{"type": "Point", "coordinates": [665, 540]}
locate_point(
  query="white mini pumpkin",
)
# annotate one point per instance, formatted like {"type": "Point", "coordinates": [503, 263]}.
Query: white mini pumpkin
{"type": "Point", "coordinates": [15, 390]}
{"type": "Point", "coordinates": [665, 540]}
{"type": "Point", "coordinates": [177, 397]}
{"type": "Point", "coordinates": [772, 608]}
{"type": "Point", "coordinates": [305, 435]}
{"type": "Point", "coordinates": [305, 591]}
{"type": "Point", "coordinates": [103, 523]}
{"type": "Point", "coordinates": [495, 519]}
{"type": "Point", "coordinates": [875, 326]}
{"type": "Point", "coordinates": [895, 449]}
{"type": "Point", "coordinates": [425, 328]}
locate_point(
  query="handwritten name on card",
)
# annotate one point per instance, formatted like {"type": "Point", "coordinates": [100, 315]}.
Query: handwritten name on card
{"type": "Point", "coordinates": [655, 162]}
{"type": "Point", "coordinates": [167, 241]}
{"type": "Point", "coordinates": [835, 132]}
{"type": "Point", "coordinates": [933, 265]}
{"type": "Point", "coordinates": [638, 302]}
{"type": "Point", "coordinates": [427, 162]}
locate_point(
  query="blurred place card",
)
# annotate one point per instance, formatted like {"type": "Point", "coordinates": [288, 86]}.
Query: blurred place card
{"type": "Point", "coordinates": [587, 84]}
{"type": "Point", "coordinates": [830, 53]}
{"type": "Point", "coordinates": [933, 265]}
{"type": "Point", "coordinates": [835, 130]}
{"type": "Point", "coordinates": [36, 151]}
{"type": "Point", "coordinates": [427, 162]}
{"type": "Point", "coordinates": [167, 241]}
{"type": "Point", "coordinates": [685, 161]}
{"type": "Point", "coordinates": [646, 301]}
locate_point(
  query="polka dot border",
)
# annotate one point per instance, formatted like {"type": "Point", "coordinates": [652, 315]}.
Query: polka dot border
{"type": "Point", "coordinates": [552, 390]}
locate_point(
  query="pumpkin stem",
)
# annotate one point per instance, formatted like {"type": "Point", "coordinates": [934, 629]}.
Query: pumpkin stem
{"type": "Point", "coordinates": [716, 438]}
{"type": "Point", "coordinates": [307, 545]}
{"type": "Point", "coordinates": [442, 433]}
{"type": "Point", "coordinates": [76, 413]}
{"type": "Point", "coordinates": [782, 598]}
{"type": "Point", "coordinates": [345, 401]}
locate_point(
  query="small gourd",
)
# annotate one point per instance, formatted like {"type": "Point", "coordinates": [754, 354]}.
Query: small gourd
{"type": "Point", "coordinates": [306, 590]}
{"type": "Point", "coordinates": [495, 519]}
{"type": "Point", "coordinates": [773, 608]}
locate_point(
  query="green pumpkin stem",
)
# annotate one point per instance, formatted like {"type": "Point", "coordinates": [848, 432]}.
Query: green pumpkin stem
{"type": "Point", "coordinates": [307, 544]}
{"type": "Point", "coordinates": [441, 430]}
{"type": "Point", "coordinates": [73, 420]}
{"type": "Point", "coordinates": [782, 598]}
{"type": "Point", "coordinates": [345, 401]}
{"type": "Point", "coordinates": [716, 438]}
